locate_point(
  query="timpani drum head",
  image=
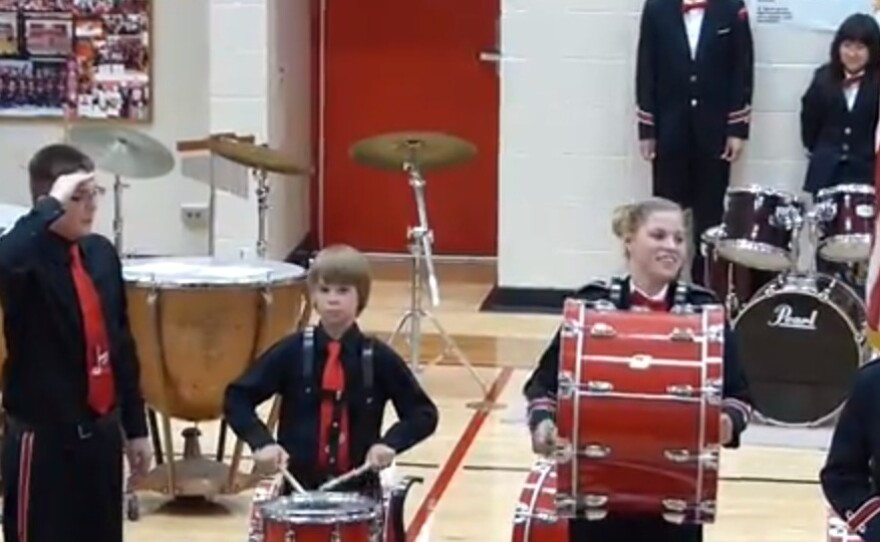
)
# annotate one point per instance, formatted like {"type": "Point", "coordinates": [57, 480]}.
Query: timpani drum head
{"type": "Point", "coordinates": [800, 344]}
{"type": "Point", "coordinates": [188, 272]}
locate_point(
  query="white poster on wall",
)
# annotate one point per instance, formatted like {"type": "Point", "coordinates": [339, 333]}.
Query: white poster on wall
{"type": "Point", "coordinates": [819, 15]}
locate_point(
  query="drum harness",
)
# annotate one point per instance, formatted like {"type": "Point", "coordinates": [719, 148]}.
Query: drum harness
{"type": "Point", "coordinates": [679, 303]}
{"type": "Point", "coordinates": [338, 405]}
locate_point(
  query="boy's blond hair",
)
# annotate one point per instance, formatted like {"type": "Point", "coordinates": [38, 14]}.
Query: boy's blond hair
{"type": "Point", "coordinates": [342, 265]}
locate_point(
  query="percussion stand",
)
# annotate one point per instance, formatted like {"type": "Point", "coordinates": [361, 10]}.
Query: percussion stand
{"type": "Point", "coordinates": [118, 186]}
{"type": "Point", "coordinates": [262, 210]}
{"type": "Point", "coordinates": [420, 239]}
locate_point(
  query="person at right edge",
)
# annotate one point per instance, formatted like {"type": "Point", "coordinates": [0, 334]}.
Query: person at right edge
{"type": "Point", "coordinates": [653, 235]}
{"type": "Point", "coordinates": [694, 92]}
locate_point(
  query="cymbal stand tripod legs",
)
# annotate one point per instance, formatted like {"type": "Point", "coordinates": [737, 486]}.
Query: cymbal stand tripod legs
{"type": "Point", "coordinates": [262, 211]}
{"type": "Point", "coordinates": [420, 239]}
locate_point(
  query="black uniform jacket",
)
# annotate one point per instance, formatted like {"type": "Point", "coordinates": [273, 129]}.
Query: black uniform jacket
{"type": "Point", "coordinates": [280, 371]}
{"type": "Point", "coordinates": [840, 141]}
{"type": "Point", "coordinates": [541, 388]}
{"type": "Point", "coordinates": [44, 380]}
{"type": "Point", "coordinates": [850, 478]}
{"type": "Point", "coordinates": [708, 96]}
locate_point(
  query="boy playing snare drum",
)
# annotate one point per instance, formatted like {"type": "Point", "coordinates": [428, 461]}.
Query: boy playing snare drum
{"type": "Point", "coordinates": [334, 383]}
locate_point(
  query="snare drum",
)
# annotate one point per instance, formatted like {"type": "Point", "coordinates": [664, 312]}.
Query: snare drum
{"type": "Point", "coordinates": [639, 409]}
{"type": "Point", "coordinates": [535, 519]}
{"type": "Point", "coordinates": [200, 322]}
{"type": "Point", "coordinates": [845, 216]}
{"type": "Point", "coordinates": [734, 284]}
{"type": "Point", "coordinates": [321, 517]}
{"type": "Point", "coordinates": [801, 343]}
{"type": "Point", "coordinates": [759, 228]}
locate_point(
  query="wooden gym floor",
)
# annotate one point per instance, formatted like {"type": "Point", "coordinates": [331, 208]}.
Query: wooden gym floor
{"type": "Point", "coordinates": [475, 464]}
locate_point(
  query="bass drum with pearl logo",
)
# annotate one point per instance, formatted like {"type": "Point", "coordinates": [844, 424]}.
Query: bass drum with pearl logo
{"type": "Point", "coordinates": [801, 342]}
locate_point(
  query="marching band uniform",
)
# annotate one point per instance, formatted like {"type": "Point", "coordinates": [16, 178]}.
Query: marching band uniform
{"type": "Point", "coordinates": [838, 121]}
{"type": "Point", "coordinates": [70, 381]}
{"type": "Point", "coordinates": [850, 477]}
{"type": "Point", "coordinates": [541, 388]}
{"type": "Point", "coordinates": [349, 412]}
{"type": "Point", "coordinates": [694, 80]}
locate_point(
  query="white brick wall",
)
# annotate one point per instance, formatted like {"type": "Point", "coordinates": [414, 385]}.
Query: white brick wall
{"type": "Point", "coordinates": [568, 149]}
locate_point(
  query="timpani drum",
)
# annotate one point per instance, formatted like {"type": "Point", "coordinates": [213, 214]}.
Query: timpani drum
{"type": "Point", "coordinates": [535, 518]}
{"type": "Point", "coordinates": [639, 412]}
{"type": "Point", "coordinates": [198, 324]}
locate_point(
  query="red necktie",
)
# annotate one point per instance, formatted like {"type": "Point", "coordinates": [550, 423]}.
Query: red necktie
{"type": "Point", "coordinates": [333, 382]}
{"type": "Point", "coordinates": [693, 5]}
{"type": "Point", "coordinates": [101, 388]}
{"type": "Point", "coordinates": [637, 299]}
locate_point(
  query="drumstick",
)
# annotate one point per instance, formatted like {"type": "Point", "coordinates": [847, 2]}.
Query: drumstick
{"type": "Point", "coordinates": [354, 473]}
{"type": "Point", "coordinates": [293, 482]}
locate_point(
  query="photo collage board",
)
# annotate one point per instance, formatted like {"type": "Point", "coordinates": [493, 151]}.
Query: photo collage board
{"type": "Point", "coordinates": [76, 60]}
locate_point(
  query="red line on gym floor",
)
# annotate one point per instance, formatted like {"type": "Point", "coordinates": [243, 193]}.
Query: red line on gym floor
{"type": "Point", "coordinates": [455, 459]}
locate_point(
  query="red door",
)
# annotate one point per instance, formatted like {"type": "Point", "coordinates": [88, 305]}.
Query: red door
{"type": "Point", "coordinates": [410, 65]}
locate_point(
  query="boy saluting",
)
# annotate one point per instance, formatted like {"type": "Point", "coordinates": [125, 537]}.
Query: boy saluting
{"type": "Point", "coordinates": [334, 384]}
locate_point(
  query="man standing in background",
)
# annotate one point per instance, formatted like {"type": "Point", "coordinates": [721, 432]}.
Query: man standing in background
{"type": "Point", "coordinates": [694, 79]}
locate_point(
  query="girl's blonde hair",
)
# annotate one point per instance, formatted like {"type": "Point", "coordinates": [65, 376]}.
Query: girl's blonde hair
{"type": "Point", "coordinates": [628, 218]}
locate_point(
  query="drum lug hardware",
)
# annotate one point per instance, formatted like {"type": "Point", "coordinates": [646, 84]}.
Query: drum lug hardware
{"type": "Point", "coordinates": [290, 536]}
{"type": "Point", "coordinates": [599, 386]}
{"type": "Point", "coordinates": [566, 386]}
{"type": "Point", "coordinates": [595, 451]}
{"type": "Point", "coordinates": [336, 535]}
{"type": "Point", "coordinates": [678, 456]}
{"type": "Point", "coordinates": [565, 505]}
{"type": "Point", "coordinates": [602, 330]}
{"type": "Point", "coordinates": [640, 361]}
{"type": "Point", "coordinates": [679, 334]}
{"type": "Point", "coordinates": [680, 391]}
{"type": "Point", "coordinates": [563, 452]}
{"type": "Point", "coordinates": [715, 334]}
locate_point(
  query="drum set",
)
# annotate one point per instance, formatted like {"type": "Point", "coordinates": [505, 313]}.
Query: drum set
{"type": "Point", "coordinates": [800, 332]}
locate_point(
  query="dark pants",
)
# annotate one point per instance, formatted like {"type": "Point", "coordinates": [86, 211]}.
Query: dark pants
{"type": "Point", "coordinates": [633, 530]}
{"type": "Point", "coordinates": [696, 181]}
{"type": "Point", "coordinates": [62, 484]}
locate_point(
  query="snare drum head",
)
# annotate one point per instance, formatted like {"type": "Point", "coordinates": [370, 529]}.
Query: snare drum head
{"type": "Point", "coordinates": [171, 272]}
{"type": "Point", "coordinates": [319, 507]}
{"type": "Point", "coordinates": [800, 346]}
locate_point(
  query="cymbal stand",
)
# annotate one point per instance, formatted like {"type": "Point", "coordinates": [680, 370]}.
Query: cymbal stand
{"type": "Point", "coordinates": [420, 239]}
{"type": "Point", "coordinates": [262, 211]}
{"type": "Point", "coordinates": [118, 186]}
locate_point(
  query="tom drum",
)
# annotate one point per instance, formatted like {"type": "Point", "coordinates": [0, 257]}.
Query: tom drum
{"type": "Point", "coordinates": [845, 216]}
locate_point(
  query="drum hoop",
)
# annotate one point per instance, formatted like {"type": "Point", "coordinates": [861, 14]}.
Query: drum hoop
{"type": "Point", "coordinates": [764, 294]}
{"type": "Point", "coordinates": [365, 511]}
{"type": "Point", "coordinates": [852, 188]}
{"type": "Point", "coordinates": [758, 189]}
{"type": "Point", "coordinates": [197, 284]}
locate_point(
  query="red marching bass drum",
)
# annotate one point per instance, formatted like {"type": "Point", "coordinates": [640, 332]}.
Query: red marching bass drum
{"type": "Point", "coordinates": [535, 518]}
{"type": "Point", "coordinates": [639, 412]}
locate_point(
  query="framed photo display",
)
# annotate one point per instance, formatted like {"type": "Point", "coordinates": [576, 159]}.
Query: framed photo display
{"type": "Point", "coordinates": [76, 60]}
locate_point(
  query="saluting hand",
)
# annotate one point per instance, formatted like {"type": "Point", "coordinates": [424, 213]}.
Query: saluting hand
{"type": "Point", "coordinates": [271, 458]}
{"type": "Point", "coordinates": [380, 456]}
{"type": "Point", "coordinates": [140, 455]}
{"type": "Point", "coordinates": [65, 186]}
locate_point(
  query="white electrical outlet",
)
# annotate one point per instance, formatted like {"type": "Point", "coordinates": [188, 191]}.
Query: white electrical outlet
{"type": "Point", "coordinates": [194, 214]}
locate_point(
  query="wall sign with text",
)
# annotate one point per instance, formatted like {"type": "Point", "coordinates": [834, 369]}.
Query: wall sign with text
{"type": "Point", "coordinates": [76, 59]}
{"type": "Point", "coordinates": [821, 15]}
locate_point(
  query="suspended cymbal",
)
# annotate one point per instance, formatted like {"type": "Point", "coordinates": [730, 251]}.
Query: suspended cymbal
{"type": "Point", "coordinates": [427, 150]}
{"type": "Point", "coordinates": [255, 156]}
{"type": "Point", "coordinates": [123, 151]}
